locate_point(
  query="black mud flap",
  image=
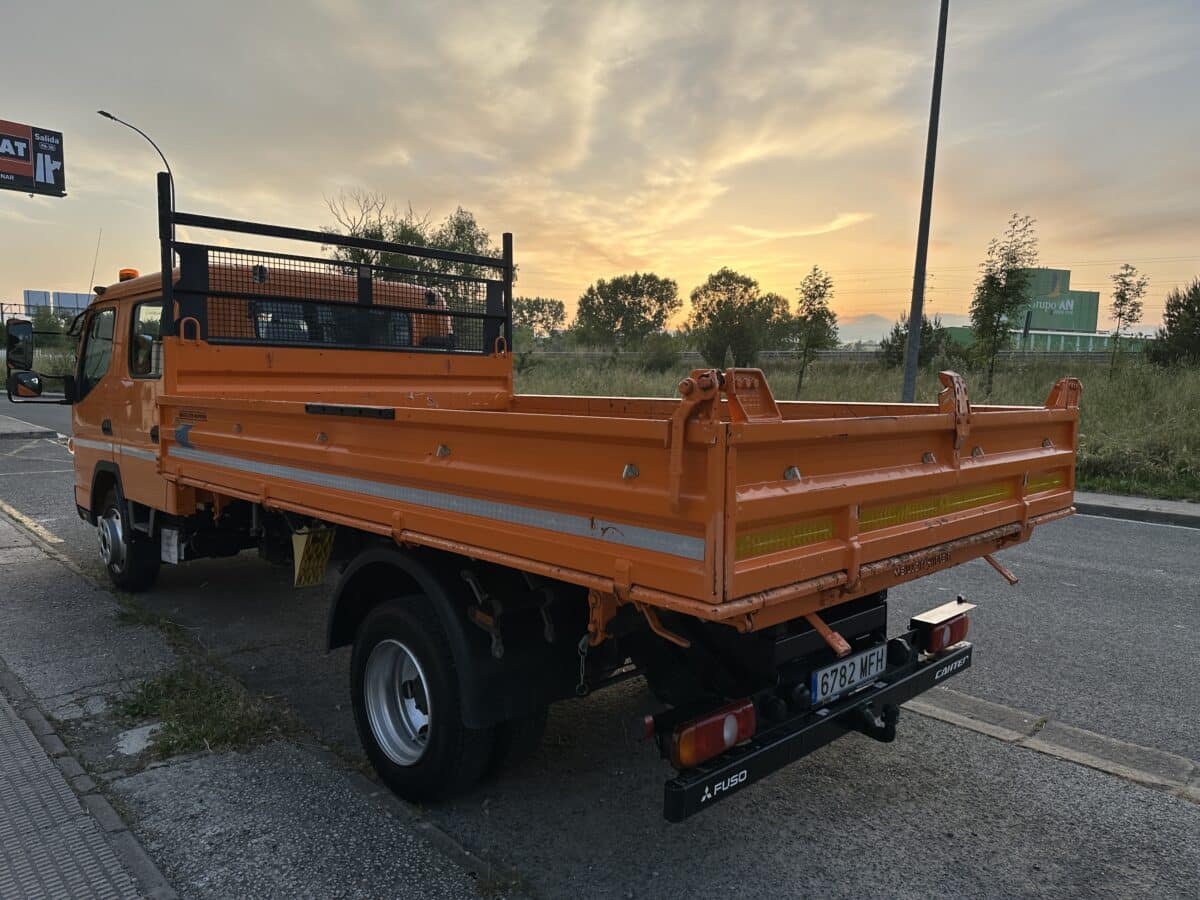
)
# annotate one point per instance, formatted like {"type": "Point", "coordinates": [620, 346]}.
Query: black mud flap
{"type": "Point", "coordinates": [867, 711]}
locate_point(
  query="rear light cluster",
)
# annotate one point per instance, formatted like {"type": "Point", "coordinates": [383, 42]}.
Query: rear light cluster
{"type": "Point", "coordinates": [701, 739]}
{"type": "Point", "coordinates": [946, 634]}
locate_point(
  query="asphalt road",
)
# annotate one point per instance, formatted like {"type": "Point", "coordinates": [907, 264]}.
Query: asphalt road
{"type": "Point", "coordinates": [1099, 634]}
{"type": "Point", "coordinates": [47, 415]}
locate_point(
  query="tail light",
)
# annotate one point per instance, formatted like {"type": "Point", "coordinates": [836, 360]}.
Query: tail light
{"type": "Point", "coordinates": [701, 739]}
{"type": "Point", "coordinates": [942, 627]}
{"type": "Point", "coordinates": [946, 634]}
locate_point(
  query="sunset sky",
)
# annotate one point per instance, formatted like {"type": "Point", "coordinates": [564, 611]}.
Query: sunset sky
{"type": "Point", "coordinates": [614, 136]}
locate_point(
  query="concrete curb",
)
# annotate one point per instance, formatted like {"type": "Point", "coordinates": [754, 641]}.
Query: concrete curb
{"type": "Point", "coordinates": [124, 844]}
{"type": "Point", "coordinates": [18, 429]}
{"type": "Point", "coordinates": [1142, 765]}
{"type": "Point", "coordinates": [1139, 509]}
{"type": "Point", "coordinates": [140, 864]}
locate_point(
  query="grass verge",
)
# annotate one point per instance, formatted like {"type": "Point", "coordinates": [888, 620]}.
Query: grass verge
{"type": "Point", "coordinates": [1139, 426]}
{"type": "Point", "coordinates": [203, 709]}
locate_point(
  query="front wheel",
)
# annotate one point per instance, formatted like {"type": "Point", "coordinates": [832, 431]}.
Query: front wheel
{"type": "Point", "coordinates": [407, 704]}
{"type": "Point", "coordinates": [131, 561]}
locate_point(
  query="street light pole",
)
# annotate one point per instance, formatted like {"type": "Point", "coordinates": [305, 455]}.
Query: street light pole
{"type": "Point", "coordinates": [916, 311]}
{"type": "Point", "coordinates": [161, 155]}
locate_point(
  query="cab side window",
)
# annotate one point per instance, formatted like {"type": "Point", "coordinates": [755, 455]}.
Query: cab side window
{"type": "Point", "coordinates": [97, 350]}
{"type": "Point", "coordinates": [145, 340]}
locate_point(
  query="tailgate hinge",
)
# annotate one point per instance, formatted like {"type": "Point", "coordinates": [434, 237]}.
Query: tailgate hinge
{"type": "Point", "coordinates": [699, 392]}
{"type": "Point", "coordinates": [953, 399]}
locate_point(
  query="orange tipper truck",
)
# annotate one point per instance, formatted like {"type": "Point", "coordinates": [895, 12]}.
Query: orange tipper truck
{"type": "Point", "coordinates": [494, 552]}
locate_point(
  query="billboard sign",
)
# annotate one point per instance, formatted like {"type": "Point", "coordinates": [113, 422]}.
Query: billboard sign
{"type": "Point", "coordinates": [31, 160]}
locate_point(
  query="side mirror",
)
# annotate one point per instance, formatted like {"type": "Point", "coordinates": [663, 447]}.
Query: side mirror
{"type": "Point", "coordinates": [19, 346]}
{"type": "Point", "coordinates": [25, 384]}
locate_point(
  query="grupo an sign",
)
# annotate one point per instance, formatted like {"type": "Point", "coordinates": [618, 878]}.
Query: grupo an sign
{"type": "Point", "coordinates": [31, 160]}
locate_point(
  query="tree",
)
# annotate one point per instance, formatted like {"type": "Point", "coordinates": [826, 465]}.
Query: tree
{"type": "Point", "coordinates": [371, 215]}
{"type": "Point", "coordinates": [47, 320]}
{"type": "Point", "coordinates": [624, 309]}
{"type": "Point", "coordinates": [732, 317]}
{"type": "Point", "coordinates": [1128, 289]}
{"type": "Point", "coordinates": [542, 316]}
{"type": "Point", "coordinates": [814, 325]}
{"type": "Point", "coordinates": [1000, 293]}
{"type": "Point", "coordinates": [1178, 341]}
{"type": "Point", "coordinates": [935, 342]}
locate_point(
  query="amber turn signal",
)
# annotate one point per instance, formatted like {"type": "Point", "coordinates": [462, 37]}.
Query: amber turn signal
{"type": "Point", "coordinates": [701, 739]}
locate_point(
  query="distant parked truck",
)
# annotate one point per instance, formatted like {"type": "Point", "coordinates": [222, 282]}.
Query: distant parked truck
{"type": "Point", "coordinates": [497, 552]}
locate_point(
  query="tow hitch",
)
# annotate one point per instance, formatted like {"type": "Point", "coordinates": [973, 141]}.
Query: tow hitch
{"type": "Point", "coordinates": [873, 711]}
{"type": "Point", "coordinates": [881, 727]}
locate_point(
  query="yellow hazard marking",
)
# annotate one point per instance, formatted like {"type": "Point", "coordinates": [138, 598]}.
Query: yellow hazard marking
{"type": "Point", "coordinates": [311, 549]}
{"type": "Point", "coordinates": [29, 525]}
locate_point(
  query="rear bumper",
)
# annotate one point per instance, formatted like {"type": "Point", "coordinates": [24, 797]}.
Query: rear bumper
{"type": "Point", "coordinates": [697, 789]}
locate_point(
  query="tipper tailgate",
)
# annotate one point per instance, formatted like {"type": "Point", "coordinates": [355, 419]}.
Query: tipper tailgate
{"type": "Point", "coordinates": [839, 505]}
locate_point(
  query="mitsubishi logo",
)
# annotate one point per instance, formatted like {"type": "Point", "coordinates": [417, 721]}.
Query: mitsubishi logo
{"type": "Point", "coordinates": [707, 795]}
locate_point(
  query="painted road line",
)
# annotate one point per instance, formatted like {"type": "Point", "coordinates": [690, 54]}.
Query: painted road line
{"type": "Point", "coordinates": [29, 525]}
{"type": "Point", "coordinates": [1143, 765]}
{"type": "Point", "coordinates": [40, 472]}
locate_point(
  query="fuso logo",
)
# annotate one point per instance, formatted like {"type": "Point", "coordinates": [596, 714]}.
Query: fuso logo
{"type": "Point", "coordinates": [950, 668]}
{"type": "Point", "coordinates": [727, 785]}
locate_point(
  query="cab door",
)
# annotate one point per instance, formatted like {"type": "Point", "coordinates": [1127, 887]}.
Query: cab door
{"type": "Point", "coordinates": [91, 412]}
{"type": "Point", "coordinates": [138, 383]}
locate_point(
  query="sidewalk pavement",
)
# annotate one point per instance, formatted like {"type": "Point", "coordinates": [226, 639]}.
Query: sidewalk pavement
{"type": "Point", "coordinates": [50, 846]}
{"type": "Point", "coordinates": [15, 429]}
{"type": "Point", "coordinates": [286, 819]}
{"type": "Point", "coordinates": [1139, 509]}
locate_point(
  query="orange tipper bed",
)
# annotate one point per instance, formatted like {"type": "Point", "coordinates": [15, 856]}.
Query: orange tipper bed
{"type": "Point", "coordinates": [731, 548]}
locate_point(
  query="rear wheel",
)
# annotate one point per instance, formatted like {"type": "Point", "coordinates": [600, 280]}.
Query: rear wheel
{"type": "Point", "coordinates": [132, 560]}
{"type": "Point", "coordinates": [407, 703]}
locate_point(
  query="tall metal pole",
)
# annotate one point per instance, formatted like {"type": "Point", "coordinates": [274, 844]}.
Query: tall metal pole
{"type": "Point", "coordinates": [916, 311]}
{"type": "Point", "coordinates": [150, 141]}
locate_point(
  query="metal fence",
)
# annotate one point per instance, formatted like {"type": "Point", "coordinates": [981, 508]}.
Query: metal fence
{"type": "Point", "coordinates": [828, 356]}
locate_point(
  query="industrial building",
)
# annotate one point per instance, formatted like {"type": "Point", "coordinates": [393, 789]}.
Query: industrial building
{"type": "Point", "coordinates": [56, 301]}
{"type": "Point", "coordinates": [1056, 319]}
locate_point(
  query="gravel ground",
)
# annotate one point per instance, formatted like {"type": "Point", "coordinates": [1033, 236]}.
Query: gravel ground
{"type": "Point", "coordinates": [279, 821]}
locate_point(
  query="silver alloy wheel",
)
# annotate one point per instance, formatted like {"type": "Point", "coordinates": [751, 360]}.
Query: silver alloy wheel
{"type": "Point", "coordinates": [396, 697]}
{"type": "Point", "coordinates": [111, 532]}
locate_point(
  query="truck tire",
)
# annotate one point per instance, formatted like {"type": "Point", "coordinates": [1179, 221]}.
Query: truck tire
{"type": "Point", "coordinates": [132, 561]}
{"type": "Point", "coordinates": [515, 741]}
{"type": "Point", "coordinates": [407, 704]}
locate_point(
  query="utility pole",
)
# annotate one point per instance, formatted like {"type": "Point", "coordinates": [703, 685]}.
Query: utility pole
{"type": "Point", "coordinates": [150, 141]}
{"type": "Point", "coordinates": [917, 310]}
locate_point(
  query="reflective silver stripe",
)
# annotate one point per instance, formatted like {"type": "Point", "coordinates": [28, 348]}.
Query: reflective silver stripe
{"type": "Point", "coordinates": [113, 446]}
{"type": "Point", "coordinates": [105, 446]}
{"type": "Point", "coordinates": [565, 523]}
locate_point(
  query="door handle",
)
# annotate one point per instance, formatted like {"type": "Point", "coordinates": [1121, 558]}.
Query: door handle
{"type": "Point", "coordinates": [106, 426]}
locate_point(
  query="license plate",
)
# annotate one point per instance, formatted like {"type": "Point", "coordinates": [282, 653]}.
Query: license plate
{"type": "Point", "coordinates": [846, 674]}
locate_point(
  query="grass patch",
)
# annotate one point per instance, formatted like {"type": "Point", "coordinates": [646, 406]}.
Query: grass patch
{"type": "Point", "coordinates": [1139, 428]}
{"type": "Point", "coordinates": [202, 709]}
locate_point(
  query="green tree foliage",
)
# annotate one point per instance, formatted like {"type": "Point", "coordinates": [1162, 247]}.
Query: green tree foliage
{"type": "Point", "coordinates": [46, 320]}
{"type": "Point", "coordinates": [369, 215]}
{"type": "Point", "coordinates": [542, 316]}
{"type": "Point", "coordinates": [813, 327]}
{"type": "Point", "coordinates": [1000, 293]}
{"type": "Point", "coordinates": [732, 318]}
{"type": "Point", "coordinates": [935, 343]}
{"type": "Point", "coordinates": [1178, 341]}
{"type": "Point", "coordinates": [622, 311]}
{"type": "Point", "coordinates": [660, 352]}
{"type": "Point", "coordinates": [1129, 286]}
